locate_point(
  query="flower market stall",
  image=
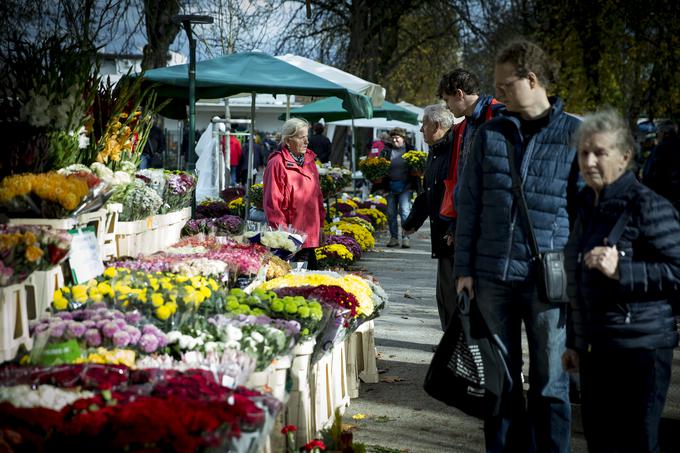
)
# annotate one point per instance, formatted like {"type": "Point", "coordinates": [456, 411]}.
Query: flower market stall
{"type": "Point", "coordinates": [126, 324]}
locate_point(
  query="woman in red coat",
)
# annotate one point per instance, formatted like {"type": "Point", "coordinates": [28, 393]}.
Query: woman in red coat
{"type": "Point", "coordinates": [292, 194]}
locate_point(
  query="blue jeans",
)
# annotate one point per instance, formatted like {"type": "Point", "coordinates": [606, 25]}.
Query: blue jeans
{"type": "Point", "coordinates": [544, 423]}
{"type": "Point", "coordinates": [402, 202]}
{"type": "Point", "coordinates": [233, 172]}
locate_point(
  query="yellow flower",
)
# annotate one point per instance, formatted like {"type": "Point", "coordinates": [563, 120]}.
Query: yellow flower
{"type": "Point", "coordinates": [163, 312]}
{"type": "Point", "coordinates": [105, 289]}
{"type": "Point", "coordinates": [79, 293]}
{"type": "Point", "coordinates": [157, 299]}
{"type": "Point", "coordinates": [109, 272]}
{"type": "Point", "coordinates": [205, 291]}
{"type": "Point", "coordinates": [60, 302]}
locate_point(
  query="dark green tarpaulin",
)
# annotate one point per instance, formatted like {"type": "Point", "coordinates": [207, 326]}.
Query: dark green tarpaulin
{"type": "Point", "coordinates": [248, 72]}
{"type": "Point", "coordinates": [332, 109]}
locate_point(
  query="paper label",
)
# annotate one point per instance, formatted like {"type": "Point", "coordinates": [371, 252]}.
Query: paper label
{"type": "Point", "coordinates": [85, 258]}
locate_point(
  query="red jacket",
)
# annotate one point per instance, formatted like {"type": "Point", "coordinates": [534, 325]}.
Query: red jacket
{"type": "Point", "coordinates": [234, 148]}
{"type": "Point", "coordinates": [292, 195]}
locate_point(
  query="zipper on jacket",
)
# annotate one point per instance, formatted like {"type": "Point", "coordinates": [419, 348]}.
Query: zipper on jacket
{"type": "Point", "coordinates": [625, 309]}
{"type": "Point", "coordinates": [507, 256]}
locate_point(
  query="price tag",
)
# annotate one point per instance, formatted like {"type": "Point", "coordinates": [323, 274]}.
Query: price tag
{"type": "Point", "coordinates": [336, 219]}
{"type": "Point", "coordinates": [344, 197]}
{"type": "Point", "coordinates": [85, 259]}
{"type": "Point", "coordinates": [372, 206]}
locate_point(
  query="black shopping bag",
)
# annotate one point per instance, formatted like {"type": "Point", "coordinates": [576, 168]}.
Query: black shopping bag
{"type": "Point", "coordinates": [468, 370]}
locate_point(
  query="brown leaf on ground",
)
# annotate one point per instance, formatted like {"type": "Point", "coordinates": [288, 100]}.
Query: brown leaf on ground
{"type": "Point", "coordinates": [392, 379]}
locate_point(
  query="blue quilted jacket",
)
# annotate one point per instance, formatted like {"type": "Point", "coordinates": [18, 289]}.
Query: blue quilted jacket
{"type": "Point", "coordinates": [491, 239]}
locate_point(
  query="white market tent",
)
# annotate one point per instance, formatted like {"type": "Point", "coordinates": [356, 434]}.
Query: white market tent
{"type": "Point", "coordinates": [378, 125]}
{"type": "Point", "coordinates": [342, 78]}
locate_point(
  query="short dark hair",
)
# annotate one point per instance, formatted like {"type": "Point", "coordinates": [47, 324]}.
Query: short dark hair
{"type": "Point", "coordinates": [458, 79]}
{"type": "Point", "coordinates": [318, 128]}
{"type": "Point", "coordinates": [528, 57]}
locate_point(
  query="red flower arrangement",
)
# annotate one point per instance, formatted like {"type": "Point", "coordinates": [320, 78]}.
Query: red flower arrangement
{"type": "Point", "coordinates": [160, 409]}
{"type": "Point", "coordinates": [331, 295]}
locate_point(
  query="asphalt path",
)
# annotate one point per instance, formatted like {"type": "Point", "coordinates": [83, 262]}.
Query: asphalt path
{"type": "Point", "coordinates": [396, 415]}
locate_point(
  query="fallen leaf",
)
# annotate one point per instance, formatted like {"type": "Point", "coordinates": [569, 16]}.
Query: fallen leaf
{"type": "Point", "coordinates": [408, 295]}
{"type": "Point", "coordinates": [359, 416]}
{"type": "Point", "coordinates": [392, 379]}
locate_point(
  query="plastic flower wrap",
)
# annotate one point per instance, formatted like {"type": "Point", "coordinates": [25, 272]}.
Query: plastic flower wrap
{"type": "Point", "coordinates": [24, 249]}
{"type": "Point", "coordinates": [348, 241]}
{"type": "Point", "coordinates": [154, 178]}
{"type": "Point", "coordinates": [261, 337]}
{"type": "Point", "coordinates": [139, 201]}
{"type": "Point", "coordinates": [50, 195]}
{"type": "Point", "coordinates": [374, 167]}
{"type": "Point", "coordinates": [334, 255]}
{"type": "Point", "coordinates": [165, 298]}
{"type": "Point", "coordinates": [94, 328]}
{"type": "Point", "coordinates": [416, 160]}
{"type": "Point", "coordinates": [256, 194]}
{"type": "Point", "coordinates": [360, 234]}
{"type": "Point", "coordinates": [223, 226]}
{"type": "Point", "coordinates": [179, 189]}
{"type": "Point", "coordinates": [284, 242]}
{"type": "Point", "coordinates": [378, 218]}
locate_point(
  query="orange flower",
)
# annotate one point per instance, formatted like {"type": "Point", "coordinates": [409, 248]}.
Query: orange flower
{"type": "Point", "coordinates": [33, 253]}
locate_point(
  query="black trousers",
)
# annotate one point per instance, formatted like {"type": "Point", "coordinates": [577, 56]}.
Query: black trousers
{"type": "Point", "coordinates": [307, 254]}
{"type": "Point", "coordinates": [445, 291]}
{"type": "Point", "coordinates": [623, 392]}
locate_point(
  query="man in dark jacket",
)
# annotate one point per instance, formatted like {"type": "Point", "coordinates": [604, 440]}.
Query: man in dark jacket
{"type": "Point", "coordinates": [320, 144]}
{"type": "Point", "coordinates": [493, 260]}
{"type": "Point", "coordinates": [662, 172]}
{"type": "Point", "coordinates": [436, 129]}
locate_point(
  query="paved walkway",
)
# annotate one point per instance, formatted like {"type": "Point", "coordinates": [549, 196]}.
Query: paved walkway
{"type": "Point", "coordinates": [399, 415]}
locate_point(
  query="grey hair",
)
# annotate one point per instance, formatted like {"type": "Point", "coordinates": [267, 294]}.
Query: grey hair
{"type": "Point", "coordinates": [291, 127]}
{"type": "Point", "coordinates": [440, 114]}
{"type": "Point", "coordinates": [608, 121]}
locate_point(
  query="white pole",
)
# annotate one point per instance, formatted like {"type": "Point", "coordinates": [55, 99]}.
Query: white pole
{"type": "Point", "coordinates": [251, 146]}
{"type": "Point", "coordinates": [354, 156]}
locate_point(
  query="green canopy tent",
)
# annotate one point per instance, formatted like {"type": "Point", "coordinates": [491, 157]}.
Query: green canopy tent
{"type": "Point", "coordinates": [248, 72]}
{"type": "Point", "coordinates": [332, 109]}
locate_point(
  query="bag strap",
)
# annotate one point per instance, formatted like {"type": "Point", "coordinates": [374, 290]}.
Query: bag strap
{"type": "Point", "coordinates": [620, 225]}
{"type": "Point", "coordinates": [518, 193]}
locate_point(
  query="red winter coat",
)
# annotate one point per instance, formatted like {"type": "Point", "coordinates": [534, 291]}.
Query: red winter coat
{"type": "Point", "coordinates": [234, 148]}
{"type": "Point", "coordinates": [292, 195]}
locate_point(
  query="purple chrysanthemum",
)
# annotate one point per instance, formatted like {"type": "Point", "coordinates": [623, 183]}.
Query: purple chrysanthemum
{"type": "Point", "coordinates": [121, 339]}
{"type": "Point", "coordinates": [93, 337]}
{"type": "Point", "coordinates": [148, 343]}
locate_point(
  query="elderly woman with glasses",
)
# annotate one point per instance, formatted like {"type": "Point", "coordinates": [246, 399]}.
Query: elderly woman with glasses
{"type": "Point", "coordinates": [623, 258]}
{"type": "Point", "coordinates": [292, 193]}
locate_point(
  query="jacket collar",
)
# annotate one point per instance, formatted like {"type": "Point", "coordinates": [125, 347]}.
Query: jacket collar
{"type": "Point", "coordinates": [619, 189]}
{"type": "Point", "coordinates": [443, 145]}
{"type": "Point", "coordinates": [482, 102]}
{"type": "Point", "coordinates": [290, 163]}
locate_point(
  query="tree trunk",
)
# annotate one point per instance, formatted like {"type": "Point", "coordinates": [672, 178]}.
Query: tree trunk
{"type": "Point", "coordinates": [160, 31]}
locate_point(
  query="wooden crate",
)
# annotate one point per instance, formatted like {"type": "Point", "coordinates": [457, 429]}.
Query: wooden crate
{"type": "Point", "coordinates": [108, 248]}
{"type": "Point", "coordinates": [13, 321]}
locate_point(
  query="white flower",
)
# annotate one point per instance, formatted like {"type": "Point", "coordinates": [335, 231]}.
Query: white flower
{"type": "Point", "coordinates": [173, 336]}
{"type": "Point", "coordinates": [257, 336]}
{"type": "Point", "coordinates": [233, 333]}
{"type": "Point", "coordinates": [36, 110]}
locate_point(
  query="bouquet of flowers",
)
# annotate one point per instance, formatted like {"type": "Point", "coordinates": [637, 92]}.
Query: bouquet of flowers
{"type": "Point", "coordinates": [308, 313]}
{"type": "Point", "coordinates": [24, 249]}
{"type": "Point", "coordinates": [154, 178]}
{"type": "Point", "coordinates": [283, 242]}
{"type": "Point", "coordinates": [138, 199]}
{"type": "Point", "coordinates": [179, 188]}
{"type": "Point", "coordinates": [181, 411]}
{"type": "Point", "coordinates": [378, 218]}
{"type": "Point", "coordinates": [256, 194]}
{"type": "Point", "coordinates": [226, 225]}
{"type": "Point", "coordinates": [50, 195]}
{"type": "Point", "coordinates": [93, 328]}
{"type": "Point", "coordinates": [416, 161]}
{"type": "Point", "coordinates": [210, 209]}
{"type": "Point", "coordinates": [334, 255]}
{"type": "Point", "coordinates": [352, 245]}
{"type": "Point", "coordinates": [237, 207]}
{"type": "Point", "coordinates": [360, 234]}
{"type": "Point", "coordinates": [333, 179]}
{"type": "Point", "coordinates": [242, 259]}
{"type": "Point", "coordinates": [374, 168]}
{"type": "Point", "coordinates": [167, 299]}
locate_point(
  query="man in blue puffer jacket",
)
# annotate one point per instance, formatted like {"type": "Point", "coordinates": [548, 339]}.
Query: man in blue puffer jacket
{"type": "Point", "coordinates": [493, 260]}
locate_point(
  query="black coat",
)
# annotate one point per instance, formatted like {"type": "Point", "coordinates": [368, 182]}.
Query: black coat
{"type": "Point", "coordinates": [634, 311]}
{"type": "Point", "coordinates": [429, 201]}
{"type": "Point", "coordinates": [663, 176]}
{"type": "Point", "coordinates": [321, 146]}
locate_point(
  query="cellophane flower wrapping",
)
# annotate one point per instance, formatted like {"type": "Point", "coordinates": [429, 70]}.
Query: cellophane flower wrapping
{"type": "Point", "coordinates": [25, 249]}
{"type": "Point", "coordinates": [284, 242]}
{"type": "Point", "coordinates": [179, 189]}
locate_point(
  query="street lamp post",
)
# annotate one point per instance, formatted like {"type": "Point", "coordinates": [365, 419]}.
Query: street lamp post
{"type": "Point", "coordinates": [186, 21]}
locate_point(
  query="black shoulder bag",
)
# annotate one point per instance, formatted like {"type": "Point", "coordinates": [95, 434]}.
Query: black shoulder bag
{"type": "Point", "coordinates": [468, 370]}
{"type": "Point", "coordinates": [551, 277]}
